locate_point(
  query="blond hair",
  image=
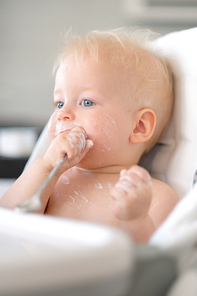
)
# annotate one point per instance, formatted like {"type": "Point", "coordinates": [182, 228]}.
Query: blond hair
{"type": "Point", "coordinates": [134, 52]}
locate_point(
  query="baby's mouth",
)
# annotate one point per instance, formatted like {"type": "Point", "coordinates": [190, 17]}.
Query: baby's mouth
{"type": "Point", "coordinates": [63, 128]}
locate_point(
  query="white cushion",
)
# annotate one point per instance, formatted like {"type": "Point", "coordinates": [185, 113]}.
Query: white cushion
{"type": "Point", "coordinates": [174, 159]}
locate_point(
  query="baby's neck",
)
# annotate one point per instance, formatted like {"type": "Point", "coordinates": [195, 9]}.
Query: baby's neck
{"type": "Point", "coordinates": [116, 169]}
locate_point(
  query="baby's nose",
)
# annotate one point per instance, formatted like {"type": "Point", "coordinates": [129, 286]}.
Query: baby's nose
{"type": "Point", "coordinates": [65, 113]}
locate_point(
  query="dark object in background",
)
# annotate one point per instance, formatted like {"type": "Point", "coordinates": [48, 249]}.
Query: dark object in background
{"type": "Point", "coordinates": [11, 167]}
{"type": "Point", "coordinates": [16, 144]}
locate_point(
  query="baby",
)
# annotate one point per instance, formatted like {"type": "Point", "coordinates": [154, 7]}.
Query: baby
{"type": "Point", "coordinates": [113, 98]}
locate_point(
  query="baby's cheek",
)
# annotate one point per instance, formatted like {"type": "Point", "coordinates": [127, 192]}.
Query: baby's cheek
{"type": "Point", "coordinates": [103, 133]}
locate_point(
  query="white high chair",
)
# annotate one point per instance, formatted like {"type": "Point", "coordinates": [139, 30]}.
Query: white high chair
{"type": "Point", "coordinates": [175, 161]}
{"type": "Point", "coordinates": [166, 266]}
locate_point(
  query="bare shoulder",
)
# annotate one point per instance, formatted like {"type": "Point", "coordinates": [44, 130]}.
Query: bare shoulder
{"type": "Point", "coordinates": [163, 201]}
{"type": "Point", "coordinates": [163, 190]}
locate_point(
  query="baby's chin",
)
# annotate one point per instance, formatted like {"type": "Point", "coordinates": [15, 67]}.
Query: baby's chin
{"type": "Point", "coordinates": [90, 162]}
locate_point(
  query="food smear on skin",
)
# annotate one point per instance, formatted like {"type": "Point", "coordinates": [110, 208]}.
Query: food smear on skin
{"type": "Point", "coordinates": [98, 186]}
{"type": "Point", "coordinates": [65, 180]}
{"type": "Point", "coordinates": [77, 199]}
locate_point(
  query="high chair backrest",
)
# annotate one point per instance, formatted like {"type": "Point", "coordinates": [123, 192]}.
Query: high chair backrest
{"type": "Point", "coordinates": [174, 158]}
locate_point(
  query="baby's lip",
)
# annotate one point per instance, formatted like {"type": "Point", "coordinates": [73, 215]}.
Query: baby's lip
{"type": "Point", "coordinates": [65, 130]}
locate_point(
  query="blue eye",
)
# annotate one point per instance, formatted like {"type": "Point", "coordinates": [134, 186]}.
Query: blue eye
{"type": "Point", "coordinates": [60, 105]}
{"type": "Point", "coordinates": [87, 103]}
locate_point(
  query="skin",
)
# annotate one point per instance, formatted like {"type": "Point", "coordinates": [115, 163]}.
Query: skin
{"type": "Point", "coordinates": [104, 133]}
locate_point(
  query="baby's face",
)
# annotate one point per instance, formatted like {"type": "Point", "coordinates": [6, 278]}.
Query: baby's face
{"type": "Point", "coordinates": [93, 96]}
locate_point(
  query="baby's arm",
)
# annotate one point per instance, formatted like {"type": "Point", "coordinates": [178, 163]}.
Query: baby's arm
{"type": "Point", "coordinates": [141, 203]}
{"type": "Point", "coordinates": [74, 143]}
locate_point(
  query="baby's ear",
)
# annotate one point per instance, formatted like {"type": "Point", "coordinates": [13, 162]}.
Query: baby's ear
{"type": "Point", "coordinates": [144, 126]}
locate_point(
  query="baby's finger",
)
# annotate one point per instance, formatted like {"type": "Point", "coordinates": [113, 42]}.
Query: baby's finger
{"type": "Point", "coordinates": [79, 129]}
{"type": "Point", "coordinates": [75, 160]}
{"type": "Point", "coordinates": [123, 207]}
{"type": "Point", "coordinates": [140, 172]}
{"type": "Point", "coordinates": [76, 141]}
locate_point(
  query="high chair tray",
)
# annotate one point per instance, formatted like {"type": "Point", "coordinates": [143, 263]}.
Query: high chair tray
{"type": "Point", "coordinates": [42, 255]}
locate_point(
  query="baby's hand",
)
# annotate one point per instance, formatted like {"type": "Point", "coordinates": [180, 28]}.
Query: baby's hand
{"type": "Point", "coordinates": [74, 143]}
{"type": "Point", "coordinates": [132, 194]}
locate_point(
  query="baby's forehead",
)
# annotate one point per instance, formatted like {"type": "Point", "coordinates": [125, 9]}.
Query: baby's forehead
{"type": "Point", "coordinates": [134, 64]}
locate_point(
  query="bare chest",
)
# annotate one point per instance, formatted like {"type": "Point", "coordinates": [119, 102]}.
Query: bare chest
{"type": "Point", "coordinates": [85, 198]}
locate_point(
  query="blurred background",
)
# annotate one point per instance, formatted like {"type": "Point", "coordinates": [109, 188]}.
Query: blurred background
{"type": "Point", "coordinates": [31, 33]}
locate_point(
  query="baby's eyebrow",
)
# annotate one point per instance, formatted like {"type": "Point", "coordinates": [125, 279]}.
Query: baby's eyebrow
{"type": "Point", "coordinates": [57, 95]}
